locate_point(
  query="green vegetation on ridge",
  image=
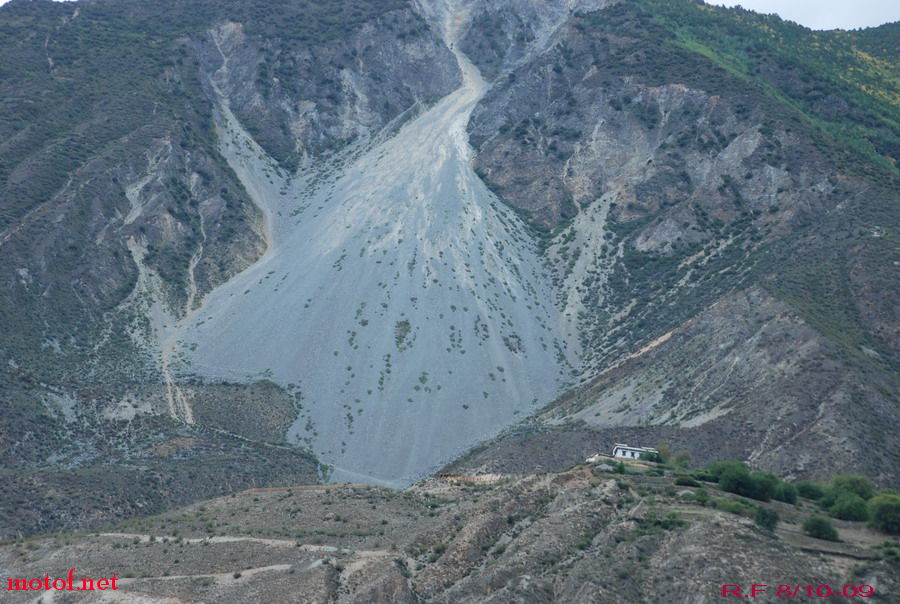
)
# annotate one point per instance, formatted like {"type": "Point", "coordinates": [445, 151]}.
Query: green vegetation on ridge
{"type": "Point", "coordinates": [828, 76]}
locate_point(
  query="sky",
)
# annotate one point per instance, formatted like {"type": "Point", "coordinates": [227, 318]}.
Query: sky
{"type": "Point", "coordinates": [817, 14]}
{"type": "Point", "coordinates": [826, 14]}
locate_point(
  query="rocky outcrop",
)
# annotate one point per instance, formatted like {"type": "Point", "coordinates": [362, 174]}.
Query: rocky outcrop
{"type": "Point", "coordinates": [745, 379]}
{"type": "Point", "coordinates": [299, 99]}
{"type": "Point", "coordinates": [662, 180]}
{"type": "Point", "coordinates": [658, 169]}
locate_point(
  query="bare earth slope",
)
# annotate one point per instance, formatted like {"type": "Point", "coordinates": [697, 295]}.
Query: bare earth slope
{"type": "Point", "coordinates": [118, 213]}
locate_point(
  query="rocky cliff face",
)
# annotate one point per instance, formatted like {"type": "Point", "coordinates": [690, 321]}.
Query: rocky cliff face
{"type": "Point", "coordinates": [299, 99]}
{"type": "Point", "coordinates": [657, 170]}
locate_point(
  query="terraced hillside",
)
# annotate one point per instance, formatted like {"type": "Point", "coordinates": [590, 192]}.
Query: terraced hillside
{"type": "Point", "coordinates": [575, 536]}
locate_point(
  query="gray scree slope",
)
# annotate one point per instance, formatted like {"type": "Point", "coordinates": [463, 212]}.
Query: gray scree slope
{"type": "Point", "coordinates": [406, 303]}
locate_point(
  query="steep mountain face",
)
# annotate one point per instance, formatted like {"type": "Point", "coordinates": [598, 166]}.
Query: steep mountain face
{"type": "Point", "coordinates": [120, 213]}
{"type": "Point", "coordinates": [720, 253]}
{"type": "Point", "coordinates": [426, 315]}
{"type": "Point", "coordinates": [382, 231]}
{"type": "Point", "coordinates": [660, 170]}
{"type": "Point", "coordinates": [323, 79]}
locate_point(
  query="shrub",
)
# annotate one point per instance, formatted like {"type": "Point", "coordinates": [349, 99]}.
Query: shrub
{"type": "Point", "coordinates": [755, 485]}
{"type": "Point", "coordinates": [735, 480]}
{"type": "Point", "coordinates": [810, 490]}
{"type": "Point", "coordinates": [670, 521]}
{"type": "Point", "coordinates": [664, 452]}
{"type": "Point", "coordinates": [849, 506]}
{"type": "Point", "coordinates": [717, 468]}
{"type": "Point", "coordinates": [686, 481]}
{"type": "Point", "coordinates": [705, 475]}
{"type": "Point", "coordinates": [764, 485]}
{"type": "Point", "coordinates": [785, 492]}
{"type": "Point", "coordinates": [653, 522]}
{"type": "Point", "coordinates": [835, 491]}
{"type": "Point", "coordinates": [733, 507]}
{"type": "Point", "coordinates": [885, 511]}
{"type": "Point", "coordinates": [891, 555]}
{"type": "Point", "coordinates": [701, 496]}
{"type": "Point", "coordinates": [854, 483]}
{"type": "Point", "coordinates": [820, 528]}
{"type": "Point", "coordinates": [682, 459]}
{"type": "Point", "coordinates": [654, 457]}
{"type": "Point", "coordinates": [830, 497]}
{"type": "Point", "coordinates": [766, 518]}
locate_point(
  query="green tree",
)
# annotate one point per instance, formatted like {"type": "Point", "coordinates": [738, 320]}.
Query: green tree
{"type": "Point", "coordinates": [717, 468]}
{"type": "Point", "coordinates": [736, 480]}
{"type": "Point", "coordinates": [665, 452]}
{"type": "Point", "coordinates": [756, 485]}
{"type": "Point", "coordinates": [849, 506]}
{"type": "Point", "coordinates": [764, 485]}
{"type": "Point", "coordinates": [810, 490]}
{"type": "Point", "coordinates": [785, 492]}
{"type": "Point", "coordinates": [885, 512]}
{"type": "Point", "coordinates": [654, 457]}
{"type": "Point", "coordinates": [766, 518]}
{"type": "Point", "coordinates": [854, 483]}
{"type": "Point", "coordinates": [687, 481]}
{"type": "Point", "coordinates": [820, 528]}
{"type": "Point", "coordinates": [682, 459]}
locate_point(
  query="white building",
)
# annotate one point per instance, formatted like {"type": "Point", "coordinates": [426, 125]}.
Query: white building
{"type": "Point", "coordinates": [626, 452]}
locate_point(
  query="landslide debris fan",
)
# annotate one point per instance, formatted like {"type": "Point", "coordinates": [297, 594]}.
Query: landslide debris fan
{"type": "Point", "coordinates": [404, 302]}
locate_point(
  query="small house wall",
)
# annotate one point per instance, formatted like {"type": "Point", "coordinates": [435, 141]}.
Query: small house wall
{"type": "Point", "coordinates": [627, 454]}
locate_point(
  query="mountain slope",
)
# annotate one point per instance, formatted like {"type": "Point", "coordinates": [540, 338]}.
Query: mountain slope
{"type": "Point", "coordinates": [745, 379]}
{"type": "Point", "coordinates": [690, 177]}
{"type": "Point", "coordinates": [383, 231]}
{"type": "Point", "coordinates": [119, 214]}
